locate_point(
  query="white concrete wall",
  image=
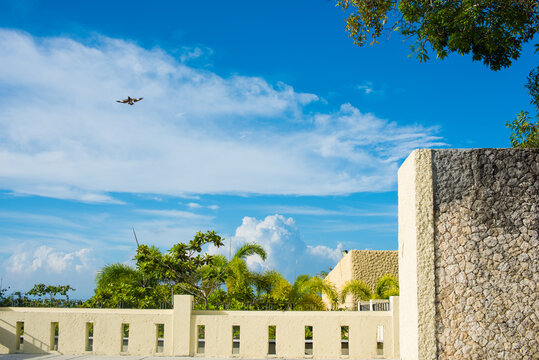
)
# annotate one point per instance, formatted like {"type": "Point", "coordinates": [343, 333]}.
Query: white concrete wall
{"type": "Point", "coordinates": [416, 257]}
{"type": "Point", "coordinates": [341, 273]}
{"type": "Point", "coordinates": [407, 259]}
{"type": "Point", "coordinates": [72, 330]}
{"type": "Point", "coordinates": [181, 327]}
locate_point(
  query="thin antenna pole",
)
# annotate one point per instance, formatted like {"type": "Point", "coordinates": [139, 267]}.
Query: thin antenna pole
{"type": "Point", "coordinates": [134, 233]}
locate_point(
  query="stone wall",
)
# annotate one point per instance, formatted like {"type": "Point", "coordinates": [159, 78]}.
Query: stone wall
{"type": "Point", "coordinates": [486, 211]}
{"type": "Point", "coordinates": [484, 214]}
{"type": "Point", "coordinates": [370, 265]}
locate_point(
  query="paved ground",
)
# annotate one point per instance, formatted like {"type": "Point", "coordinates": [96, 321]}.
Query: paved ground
{"type": "Point", "coordinates": [100, 357]}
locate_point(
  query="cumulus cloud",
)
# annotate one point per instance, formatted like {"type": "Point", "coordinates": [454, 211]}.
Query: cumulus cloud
{"type": "Point", "coordinates": [49, 260]}
{"type": "Point", "coordinates": [28, 264]}
{"type": "Point", "coordinates": [64, 135]}
{"type": "Point", "coordinates": [287, 252]}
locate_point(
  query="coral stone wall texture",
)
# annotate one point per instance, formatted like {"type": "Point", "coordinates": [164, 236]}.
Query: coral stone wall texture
{"type": "Point", "coordinates": [370, 265]}
{"type": "Point", "coordinates": [486, 223]}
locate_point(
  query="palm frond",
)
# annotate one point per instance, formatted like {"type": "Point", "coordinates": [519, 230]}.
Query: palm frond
{"type": "Point", "coordinates": [387, 286]}
{"type": "Point", "coordinates": [249, 249]}
{"type": "Point", "coordinates": [357, 288]}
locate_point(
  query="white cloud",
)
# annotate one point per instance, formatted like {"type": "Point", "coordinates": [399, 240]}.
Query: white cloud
{"type": "Point", "coordinates": [49, 260]}
{"type": "Point", "coordinates": [28, 264]}
{"type": "Point", "coordinates": [326, 252]}
{"type": "Point", "coordinates": [366, 87]}
{"type": "Point", "coordinates": [287, 251]}
{"type": "Point", "coordinates": [193, 205]}
{"type": "Point", "coordinates": [64, 135]}
{"type": "Point", "coordinates": [190, 53]}
{"type": "Point", "coordinates": [67, 192]}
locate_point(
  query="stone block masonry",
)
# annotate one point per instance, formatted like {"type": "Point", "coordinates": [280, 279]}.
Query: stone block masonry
{"type": "Point", "coordinates": [468, 235]}
{"type": "Point", "coordinates": [371, 265]}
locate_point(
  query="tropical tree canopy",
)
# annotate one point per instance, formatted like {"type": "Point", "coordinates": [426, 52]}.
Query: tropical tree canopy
{"type": "Point", "coordinates": [493, 31]}
{"type": "Point", "coordinates": [239, 277]}
{"type": "Point", "coordinates": [387, 286]}
{"type": "Point", "coordinates": [50, 290]}
{"type": "Point", "coordinates": [304, 293]}
{"type": "Point", "coordinates": [116, 274]}
{"type": "Point", "coordinates": [358, 289]}
{"type": "Point", "coordinates": [120, 285]}
{"type": "Point", "coordinates": [185, 266]}
{"type": "Point", "coordinates": [525, 131]}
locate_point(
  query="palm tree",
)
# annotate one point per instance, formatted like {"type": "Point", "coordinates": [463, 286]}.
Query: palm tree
{"type": "Point", "coordinates": [122, 285]}
{"type": "Point", "coordinates": [239, 277]}
{"type": "Point", "coordinates": [265, 283]}
{"type": "Point", "coordinates": [304, 293]}
{"type": "Point", "coordinates": [358, 289]}
{"type": "Point", "coordinates": [234, 273]}
{"type": "Point", "coordinates": [117, 273]}
{"type": "Point", "coordinates": [325, 287]}
{"type": "Point", "coordinates": [387, 286]}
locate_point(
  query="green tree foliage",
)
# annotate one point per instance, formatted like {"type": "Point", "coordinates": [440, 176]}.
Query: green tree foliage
{"type": "Point", "coordinates": [4, 300]}
{"type": "Point", "coordinates": [239, 276]}
{"type": "Point", "coordinates": [184, 269]}
{"type": "Point", "coordinates": [120, 285]}
{"type": "Point", "coordinates": [533, 84]}
{"type": "Point", "coordinates": [115, 274]}
{"type": "Point", "coordinates": [525, 131]}
{"type": "Point", "coordinates": [185, 266]}
{"type": "Point", "coordinates": [387, 286]}
{"type": "Point", "coordinates": [493, 31]}
{"type": "Point", "coordinates": [266, 283]}
{"type": "Point", "coordinates": [303, 294]}
{"type": "Point", "coordinates": [45, 294]}
{"type": "Point", "coordinates": [358, 289]}
{"type": "Point", "coordinates": [41, 295]}
{"type": "Point", "coordinates": [245, 289]}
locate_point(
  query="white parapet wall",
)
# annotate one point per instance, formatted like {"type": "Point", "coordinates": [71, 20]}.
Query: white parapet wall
{"type": "Point", "coordinates": [38, 330]}
{"type": "Point", "coordinates": [181, 328]}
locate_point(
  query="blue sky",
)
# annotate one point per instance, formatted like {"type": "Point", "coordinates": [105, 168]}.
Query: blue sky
{"type": "Point", "coordinates": [261, 121]}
